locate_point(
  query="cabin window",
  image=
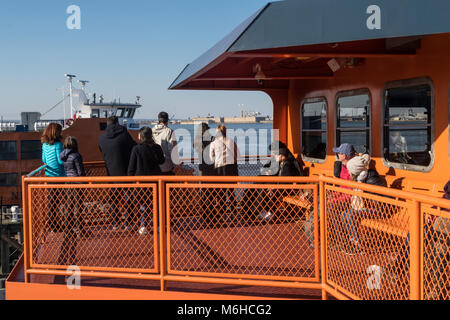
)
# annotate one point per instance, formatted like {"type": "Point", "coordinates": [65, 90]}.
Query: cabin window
{"type": "Point", "coordinates": [95, 113]}
{"type": "Point", "coordinates": [8, 150]}
{"type": "Point", "coordinates": [105, 114]}
{"type": "Point", "coordinates": [314, 129]}
{"type": "Point", "coordinates": [9, 179]}
{"type": "Point", "coordinates": [408, 125]}
{"type": "Point", "coordinates": [353, 119]}
{"type": "Point", "coordinates": [128, 113]}
{"type": "Point", "coordinates": [30, 149]}
{"type": "Point", "coordinates": [120, 113]}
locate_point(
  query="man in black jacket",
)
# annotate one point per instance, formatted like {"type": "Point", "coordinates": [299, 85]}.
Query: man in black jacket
{"type": "Point", "coordinates": [116, 145]}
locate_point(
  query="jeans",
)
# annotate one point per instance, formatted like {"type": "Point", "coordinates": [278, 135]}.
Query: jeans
{"type": "Point", "coordinates": [348, 218]}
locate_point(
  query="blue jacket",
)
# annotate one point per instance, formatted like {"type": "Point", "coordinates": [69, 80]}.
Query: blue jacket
{"type": "Point", "coordinates": [50, 157]}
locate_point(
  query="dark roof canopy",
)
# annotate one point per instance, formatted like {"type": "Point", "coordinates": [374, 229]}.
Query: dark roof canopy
{"type": "Point", "coordinates": [300, 36]}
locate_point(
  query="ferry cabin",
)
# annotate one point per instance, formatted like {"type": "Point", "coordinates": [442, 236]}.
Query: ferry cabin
{"type": "Point", "coordinates": [385, 89]}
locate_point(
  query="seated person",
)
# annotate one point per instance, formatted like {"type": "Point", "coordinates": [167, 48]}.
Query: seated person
{"type": "Point", "coordinates": [284, 164]}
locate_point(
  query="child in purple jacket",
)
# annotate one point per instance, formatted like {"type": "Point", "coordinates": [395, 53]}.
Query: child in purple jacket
{"type": "Point", "coordinates": [72, 159]}
{"type": "Point", "coordinates": [73, 165]}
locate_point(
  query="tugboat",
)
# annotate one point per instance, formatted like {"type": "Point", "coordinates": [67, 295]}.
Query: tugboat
{"type": "Point", "coordinates": [21, 146]}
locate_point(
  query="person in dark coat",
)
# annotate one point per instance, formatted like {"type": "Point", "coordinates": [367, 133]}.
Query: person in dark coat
{"type": "Point", "coordinates": [289, 167]}
{"type": "Point", "coordinates": [283, 164]}
{"type": "Point", "coordinates": [146, 158]}
{"type": "Point", "coordinates": [116, 145]}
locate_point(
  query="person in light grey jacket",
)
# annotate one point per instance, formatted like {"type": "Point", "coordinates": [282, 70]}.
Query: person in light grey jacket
{"type": "Point", "coordinates": [165, 137]}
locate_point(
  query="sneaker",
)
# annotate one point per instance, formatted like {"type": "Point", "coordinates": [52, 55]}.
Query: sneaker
{"type": "Point", "coordinates": [143, 231]}
{"type": "Point", "coordinates": [265, 215]}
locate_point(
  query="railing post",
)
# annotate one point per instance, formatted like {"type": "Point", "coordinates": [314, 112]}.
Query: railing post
{"type": "Point", "coordinates": [26, 235]}
{"type": "Point", "coordinates": [323, 245]}
{"type": "Point", "coordinates": [162, 233]}
{"type": "Point", "coordinates": [415, 239]}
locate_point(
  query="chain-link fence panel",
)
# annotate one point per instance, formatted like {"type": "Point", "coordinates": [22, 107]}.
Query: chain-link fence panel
{"type": "Point", "coordinates": [436, 251]}
{"type": "Point", "coordinates": [109, 227]}
{"type": "Point", "coordinates": [247, 167]}
{"type": "Point", "coordinates": [367, 244]}
{"type": "Point", "coordinates": [236, 230]}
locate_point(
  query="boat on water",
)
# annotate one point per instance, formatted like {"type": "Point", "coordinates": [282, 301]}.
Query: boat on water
{"type": "Point", "coordinates": [21, 145]}
{"type": "Point", "coordinates": [245, 237]}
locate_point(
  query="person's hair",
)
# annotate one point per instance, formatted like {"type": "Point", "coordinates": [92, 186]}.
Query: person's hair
{"type": "Point", "coordinates": [71, 143]}
{"type": "Point", "coordinates": [146, 136]}
{"type": "Point", "coordinates": [52, 134]}
{"type": "Point", "coordinates": [223, 130]}
{"type": "Point", "coordinates": [112, 120]}
{"type": "Point", "coordinates": [163, 117]}
{"type": "Point", "coordinates": [199, 144]}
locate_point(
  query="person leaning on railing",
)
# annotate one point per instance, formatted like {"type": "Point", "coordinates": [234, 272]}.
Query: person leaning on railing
{"type": "Point", "coordinates": [73, 165]}
{"type": "Point", "coordinates": [51, 149]}
{"type": "Point", "coordinates": [116, 145]}
{"type": "Point", "coordinates": [145, 160]}
{"type": "Point", "coordinates": [225, 153]}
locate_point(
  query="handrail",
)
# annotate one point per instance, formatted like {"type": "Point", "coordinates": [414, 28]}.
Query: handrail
{"type": "Point", "coordinates": [388, 191]}
{"type": "Point", "coordinates": [211, 179]}
{"type": "Point", "coordinates": [37, 171]}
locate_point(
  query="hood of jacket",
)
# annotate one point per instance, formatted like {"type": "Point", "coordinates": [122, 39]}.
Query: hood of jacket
{"type": "Point", "coordinates": [113, 131]}
{"type": "Point", "coordinates": [159, 129]}
{"type": "Point", "coordinates": [65, 154]}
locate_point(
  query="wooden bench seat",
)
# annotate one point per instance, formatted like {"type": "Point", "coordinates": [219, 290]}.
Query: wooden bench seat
{"type": "Point", "coordinates": [299, 201]}
{"type": "Point", "coordinates": [398, 224]}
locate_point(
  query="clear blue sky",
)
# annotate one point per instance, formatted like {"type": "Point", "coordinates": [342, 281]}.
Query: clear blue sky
{"type": "Point", "coordinates": [125, 48]}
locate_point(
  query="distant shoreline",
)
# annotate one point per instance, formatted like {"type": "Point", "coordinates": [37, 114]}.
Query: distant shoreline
{"type": "Point", "coordinates": [192, 122]}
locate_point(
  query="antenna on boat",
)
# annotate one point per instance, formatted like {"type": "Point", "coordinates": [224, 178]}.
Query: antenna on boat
{"type": "Point", "coordinates": [83, 84]}
{"type": "Point", "coordinates": [70, 77]}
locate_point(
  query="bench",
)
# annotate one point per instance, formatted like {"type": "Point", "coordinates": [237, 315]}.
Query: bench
{"type": "Point", "coordinates": [303, 201]}
{"type": "Point", "coordinates": [398, 224]}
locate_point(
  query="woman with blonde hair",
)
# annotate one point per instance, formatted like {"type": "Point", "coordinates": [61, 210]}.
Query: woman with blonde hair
{"type": "Point", "coordinates": [225, 153]}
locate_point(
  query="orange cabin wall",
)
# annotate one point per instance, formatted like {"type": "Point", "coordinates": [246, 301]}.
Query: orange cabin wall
{"type": "Point", "coordinates": [280, 99]}
{"type": "Point", "coordinates": [431, 61]}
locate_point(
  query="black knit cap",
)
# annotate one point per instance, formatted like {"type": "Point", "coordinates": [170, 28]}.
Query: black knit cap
{"type": "Point", "coordinates": [163, 117]}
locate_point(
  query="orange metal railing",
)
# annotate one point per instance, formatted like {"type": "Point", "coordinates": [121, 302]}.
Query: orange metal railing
{"type": "Point", "coordinates": [383, 243]}
{"type": "Point", "coordinates": [373, 242]}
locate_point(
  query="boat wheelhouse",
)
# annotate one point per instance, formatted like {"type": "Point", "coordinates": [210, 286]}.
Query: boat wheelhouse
{"type": "Point", "coordinates": [376, 76]}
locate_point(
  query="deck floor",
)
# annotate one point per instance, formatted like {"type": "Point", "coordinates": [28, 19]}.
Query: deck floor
{"type": "Point", "coordinates": [238, 249]}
